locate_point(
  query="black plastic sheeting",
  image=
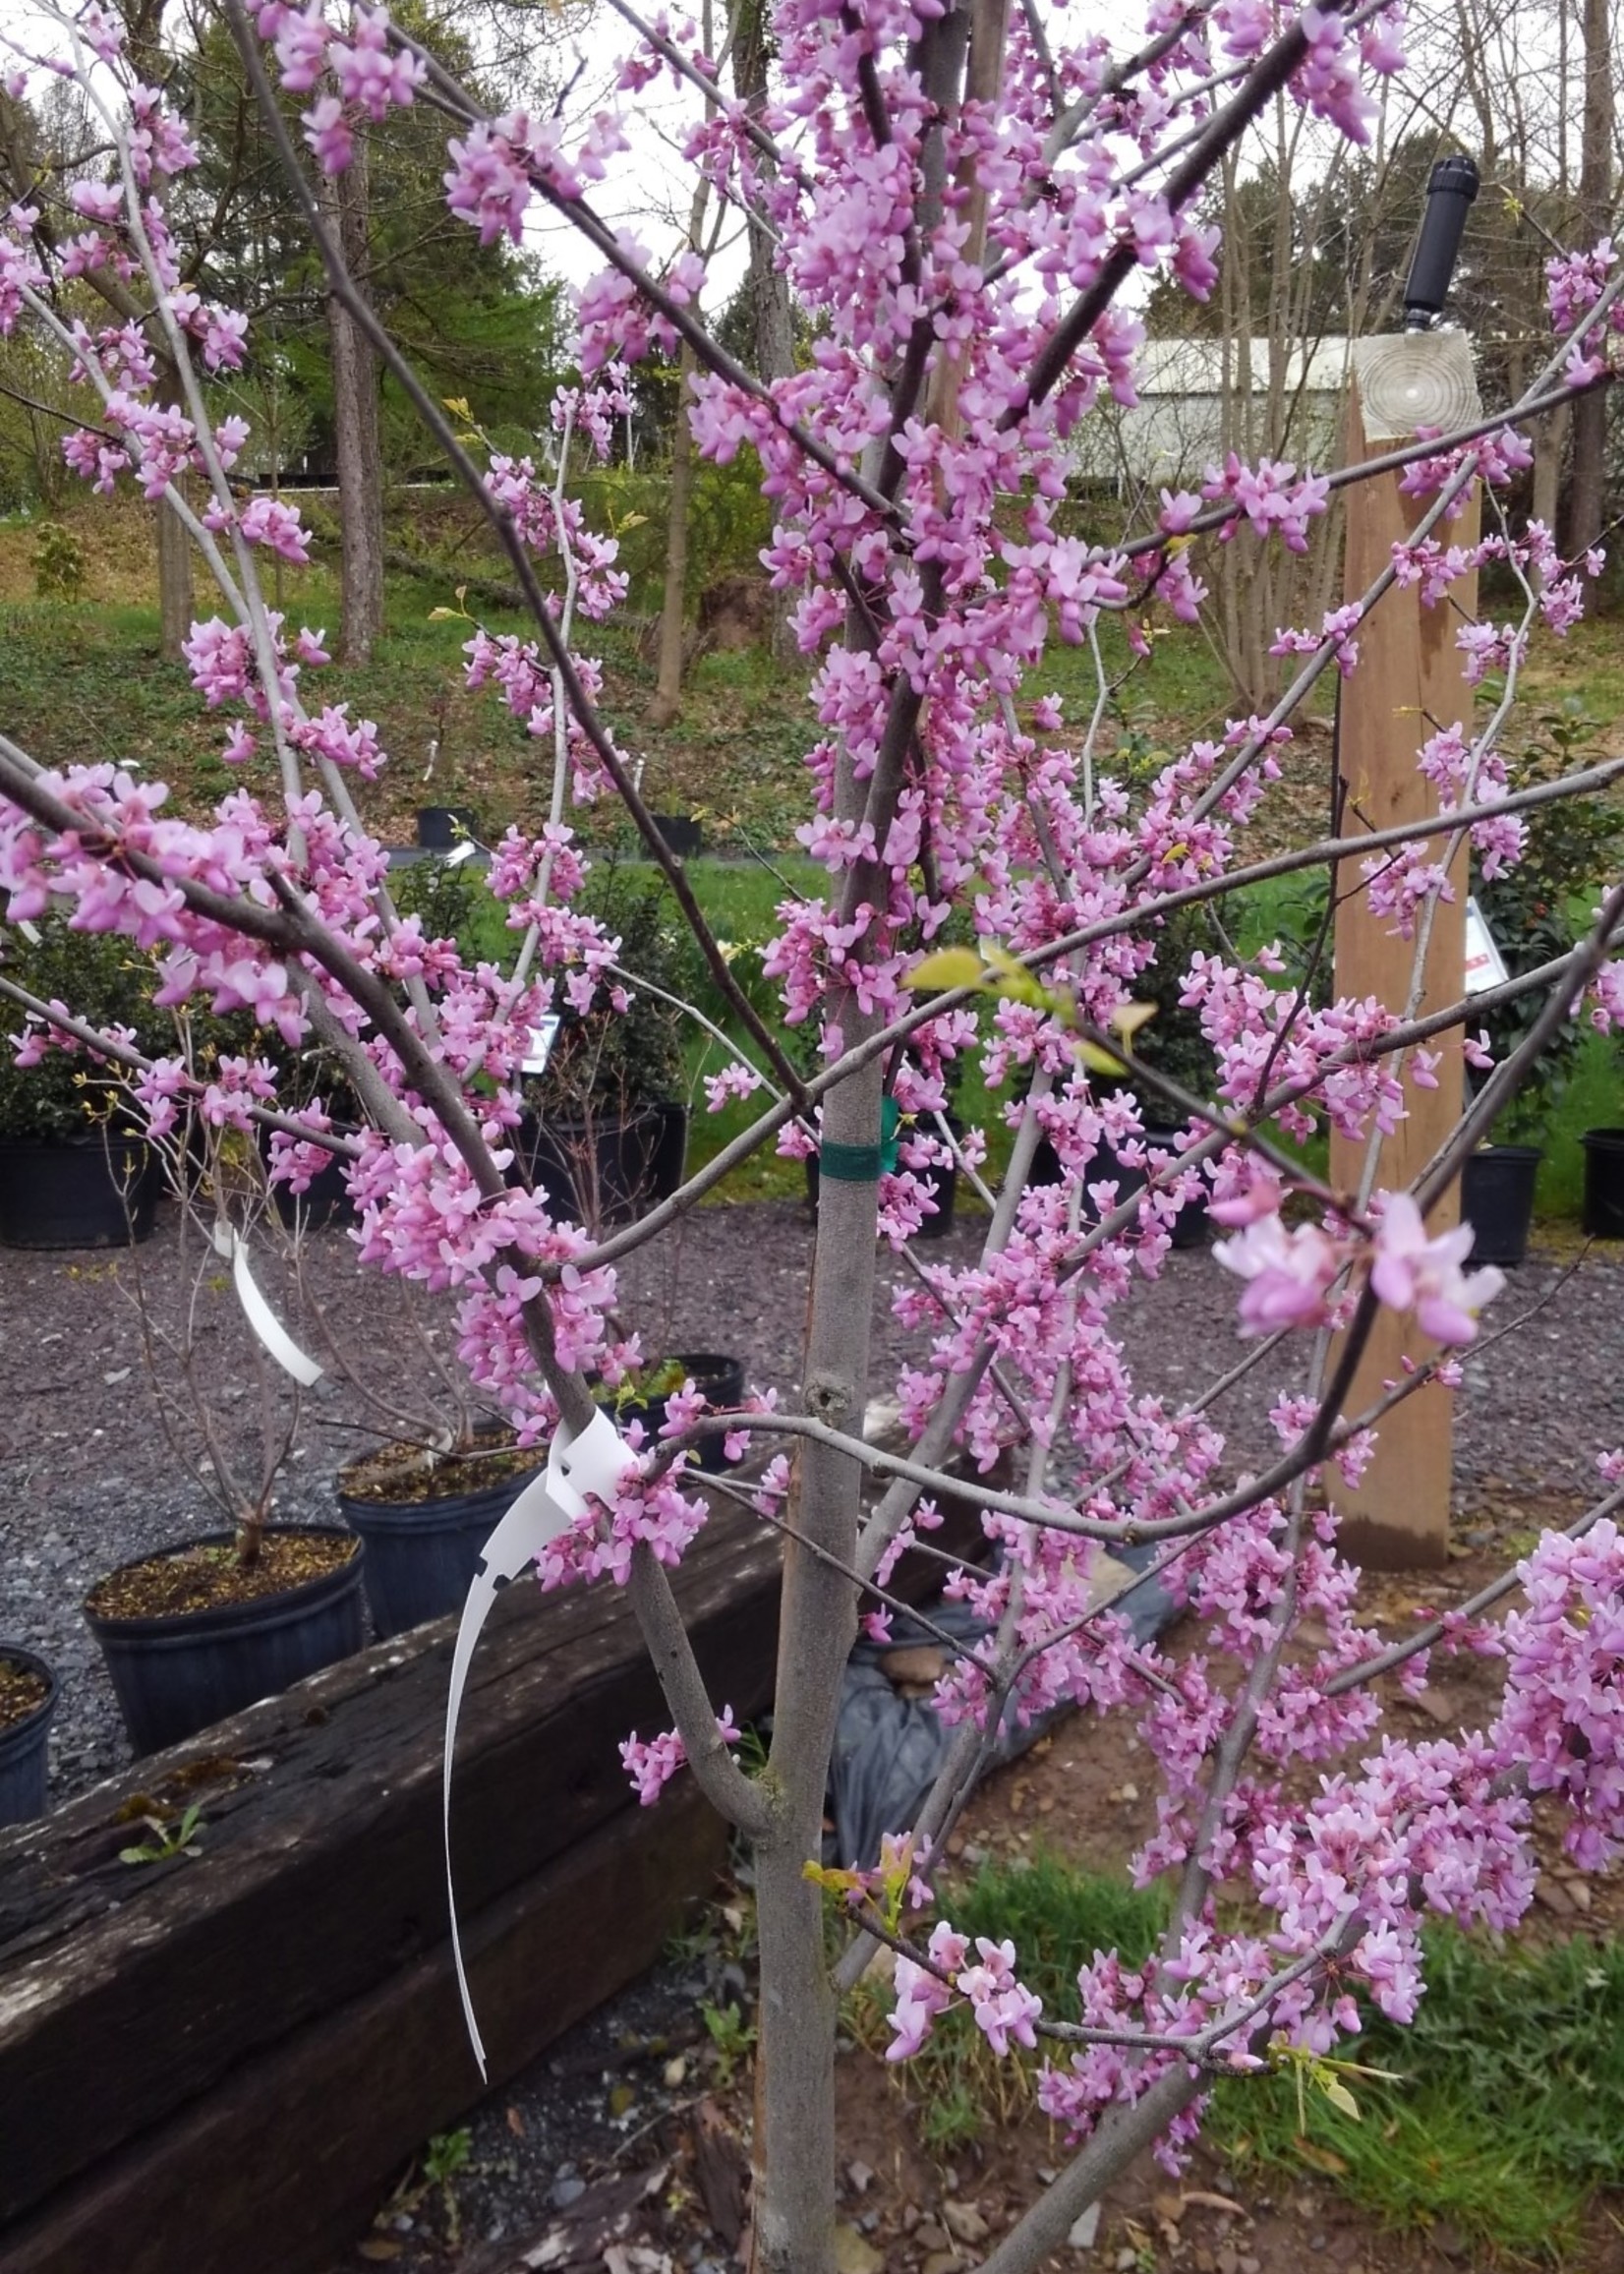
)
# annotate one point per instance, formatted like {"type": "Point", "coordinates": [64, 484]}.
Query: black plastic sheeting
{"type": "Point", "coordinates": [889, 1748]}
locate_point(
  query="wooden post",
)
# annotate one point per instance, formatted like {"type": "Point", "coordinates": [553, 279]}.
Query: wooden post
{"type": "Point", "coordinates": [1409, 684]}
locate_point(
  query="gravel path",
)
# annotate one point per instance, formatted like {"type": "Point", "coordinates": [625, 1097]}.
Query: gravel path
{"type": "Point", "coordinates": [87, 1478]}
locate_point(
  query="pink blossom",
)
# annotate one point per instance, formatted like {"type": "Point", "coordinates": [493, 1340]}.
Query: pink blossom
{"type": "Point", "coordinates": [1289, 1274]}
{"type": "Point", "coordinates": [1411, 1272]}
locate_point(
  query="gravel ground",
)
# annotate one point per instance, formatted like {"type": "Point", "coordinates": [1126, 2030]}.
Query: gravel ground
{"type": "Point", "coordinates": [87, 1478]}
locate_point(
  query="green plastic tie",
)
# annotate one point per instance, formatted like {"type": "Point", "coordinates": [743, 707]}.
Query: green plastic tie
{"type": "Point", "coordinates": [863, 1164]}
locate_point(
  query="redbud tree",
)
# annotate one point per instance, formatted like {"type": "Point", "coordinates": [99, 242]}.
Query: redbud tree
{"type": "Point", "coordinates": [957, 197]}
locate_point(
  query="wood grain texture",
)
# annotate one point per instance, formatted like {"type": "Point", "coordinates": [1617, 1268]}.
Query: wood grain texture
{"type": "Point", "coordinates": [1408, 682]}
{"type": "Point", "coordinates": [132, 1999]}
{"type": "Point", "coordinates": [280, 2168]}
{"type": "Point", "coordinates": [1409, 380]}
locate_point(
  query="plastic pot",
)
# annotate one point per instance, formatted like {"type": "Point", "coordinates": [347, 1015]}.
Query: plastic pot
{"type": "Point", "coordinates": [721, 1378]}
{"type": "Point", "coordinates": [180, 1672]}
{"type": "Point", "coordinates": [604, 1168]}
{"type": "Point", "coordinates": [324, 1201]}
{"type": "Point", "coordinates": [443, 828]}
{"type": "Point", "coordinates": [683, 835]}
{"type": "Point", "coordinates": [23, 1768]}
{"type": "Point", "coordinates": [1190, 1226]}
{"type": "Point", "coordinates": [1497, 1201]}
{"type": "Point", "coordinates": [1604, 1183]}
{"type": "Point", "coordinates": [421, 1555]}
{"type": "Point", "coordinates": [98, 1191]}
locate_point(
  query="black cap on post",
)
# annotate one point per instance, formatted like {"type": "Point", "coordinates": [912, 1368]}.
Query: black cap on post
{"type": "Point", "coordinates": [1452, 188]}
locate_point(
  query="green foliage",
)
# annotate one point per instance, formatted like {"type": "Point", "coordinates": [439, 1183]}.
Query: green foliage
{"type": "Point", "coordinates": [1501, 2108]}
{"type": "Point", "coordinates": [167, 1840]}
{"type": "Point", "coordinates": [1537, 909]}
{"type": "Point", "coordinates": [446, 2154]}
{"type": "Point", "coordinates": [473, 318]}
{"type": "Point", "coordinates": [1510, 2111]}
{"type": "Point", "coordinates": [455, 903]}
{"type": "Point", "coordinates": [101, 979]}
{"type": "Point", "coordinates": [732, 2036]}
{"type": "Point", "coordinates": [618, 1061]}
{"type": "Point", "coordinates": [1056, 1916]}
{"type": "Point", "coordinates": [59, 563]}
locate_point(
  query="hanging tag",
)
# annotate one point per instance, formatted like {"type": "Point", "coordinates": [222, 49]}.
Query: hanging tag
{"type": "Point", "coordinates": [282, 1346]}
{"type": "Point", "coordinates": [593, 1462]}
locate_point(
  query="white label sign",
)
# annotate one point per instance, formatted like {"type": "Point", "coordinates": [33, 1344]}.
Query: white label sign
{"type": "Point", "coordinates": [1486, 967]}
{"type": "Point", "coordinates": [542, 1039]}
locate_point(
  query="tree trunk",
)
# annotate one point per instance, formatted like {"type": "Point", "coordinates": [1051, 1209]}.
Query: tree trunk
{"type": "Point", "coordinates": [355, 428]}
{"type": "Point", "coordinates": [668, 697]}
{"type": "Point", "coordinates": [795, 2131]}
{"type": "Point", "coordinates": [1550, 443]}
{"type": "Point", "coordinates": [771, 325]}
{"type": "Point", "coordinates": [1587, 488]}
{"type": "Point", "coordinates": [174, 549]}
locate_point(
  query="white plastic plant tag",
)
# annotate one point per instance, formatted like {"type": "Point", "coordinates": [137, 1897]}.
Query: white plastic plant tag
{"type": "Point", "coordinates": [594, 1462]}
{"type": "Point", "coordinates": [30, 931]}
{"type": "Point", "coordinates": [1486, 967]}
{"type": "Point", "coordinates": [542, 1039]}
{"type": "Point", "coordinates": [278, 1341]}
{"type": "Point", "coordinates": [461, 852]}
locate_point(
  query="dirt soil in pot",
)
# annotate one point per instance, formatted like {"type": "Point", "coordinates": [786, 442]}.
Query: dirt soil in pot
{"type": "Point", "coordinates": [394, 1474]}
{"type": "Point", "coordinates": [22, 1691]}
{"type": "Point", "coordinates": [206, 1576]}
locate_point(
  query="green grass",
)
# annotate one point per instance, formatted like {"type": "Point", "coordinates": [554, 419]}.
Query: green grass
{"type": "Point", "coordinates": [84, 681]}
{"type": "Point", "coordinates": [1509, 2114]}
{"type": "Point", "coordinates": [1511, 2110]}
{"type": "Point", "coordinates": [1055, 1918]}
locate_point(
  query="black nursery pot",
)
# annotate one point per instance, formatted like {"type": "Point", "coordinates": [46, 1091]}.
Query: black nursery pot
{"type": "Point", "coordinates": [1190, 1226]}
{"type": "Point", "coordinates": [324, 1201]}
{"type": "Point", "coordinates": [98, 1191]}
{"type": "Point", "coordinates": [721, 1380]}
{"type": "Point", "coordinates": [181, 1673]}
{"type": "Point", "coordinates": [441, 828]}
{"type": "Point", "coordinates": [1604, 1183]}
{"type": "Point", "coordinates": [683, 835]}
{"type": "Point", "coordinates": [609, 1168]}
{"type": "Point", "coordinates": [1497, 1201]}
{"type": "Point", "coordinates": [421, 1555]}
{"type": "Point", "coordinates": [24, 1767]}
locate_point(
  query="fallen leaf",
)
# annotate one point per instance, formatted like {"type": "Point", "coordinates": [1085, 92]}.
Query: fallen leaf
{"type": "Point", "coordinates": [1322, 2159]}
{"type": "Point", "coordinates": [515, 2124]}
{"type": "Point", "coordinates": [1208, 2200]}
{"type": "Point", "coordinates": [377, 2248]}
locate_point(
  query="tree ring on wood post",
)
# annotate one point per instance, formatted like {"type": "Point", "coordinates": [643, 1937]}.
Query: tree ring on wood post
{"type": "Point", "coordinates": [1412, 379]}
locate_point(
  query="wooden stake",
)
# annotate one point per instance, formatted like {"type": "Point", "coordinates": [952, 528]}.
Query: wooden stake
{"type": "Point", "coordinates": [1408, 684]}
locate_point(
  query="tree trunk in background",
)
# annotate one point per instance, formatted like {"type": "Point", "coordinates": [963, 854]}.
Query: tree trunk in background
{"type": "Point", "coordinates": [1550, 443]}
{"type": "Point", "coordinates": [1587, 489]}
{"type": "Point", "coordinates": [174, 547]}
{"type": "Point", "coordinates": [667, 694]}
{"type": "Point", "coordinates": [772, 324]}
{"type": "Point", "coordinates": [355, 428]}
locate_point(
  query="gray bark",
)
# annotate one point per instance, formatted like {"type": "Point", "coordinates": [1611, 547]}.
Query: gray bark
{"type": "Point", "coordinates": [771, 324]}
{"type": "Point", "coordinates": [1587, 488]}
{"type": "Point", "coordinates": [176, 608]}
{"type": "Point", "coordinates": [360, 462]}
{"type": "Point", "coordinates": [668, 697]}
